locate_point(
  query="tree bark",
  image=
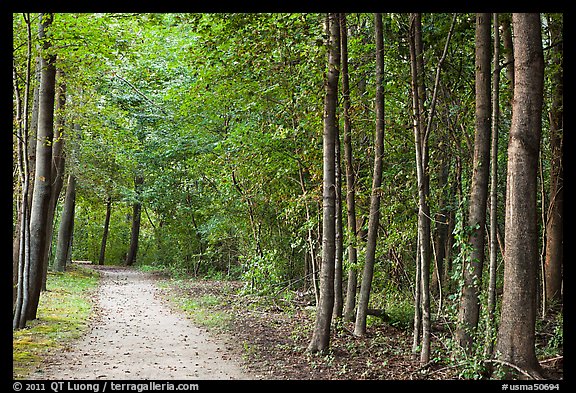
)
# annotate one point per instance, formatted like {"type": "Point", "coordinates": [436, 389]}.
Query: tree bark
{"type": "Point", "coordinates": [66, 225]}
{"type": "Point", "coordinates": [469, 310]}
{"type": "Point", "coordinates": [516, 334]}
{"type": "Point", "coordinates": [57, 169]}
{"type": "Point", "coordinates": [338, 295]}
{"type": "Point", "coordinates": [321, 336]}
{"type": "Point", "coordinates": [21, 240]}
{"type": "Point", "coordinates": [105, 233]}
{"type": "Point", "coordinates": [374, 215]}
{"type": "Point", "coordinates": [42, 178]}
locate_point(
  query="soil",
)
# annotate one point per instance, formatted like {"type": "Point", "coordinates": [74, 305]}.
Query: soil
{"type": "Point", "coordinates": [271, 335]}
{"type": "Point", "coordinates": [135, 334]}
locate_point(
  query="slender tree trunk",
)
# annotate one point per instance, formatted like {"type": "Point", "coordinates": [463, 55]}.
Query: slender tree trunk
{"type": "Point", "coordinates": [416, 334]}
{"type": "Point", "coordinates": [105, 233]}
{"type": "Point", "coordinates": [421, 250]}
{"type": "Point", "coordinates": [321, 336]}
{"type": "Point", "coordinates": [42, 178]}
{"type": "Point", "coordinates": [489, 342]}
{"type": "Point", "coordinates": [136, 218]}
{"type": "Point", "coordinates": [374, 217]}
{"type": "Point", "coordinates": [338, 295]}
{"type": "Point", "coordinates": [516, 334]}
{"type": "Point", "coordinates": [469, 310]}
{"type": "Point", "coordinates": [66, 225]}
{"type": "Point", "coordinates": [21, 243]}
{"type": "Point", "coordinates": [554, 227]}
{"type": "Point", "coordinates": [350, 179]}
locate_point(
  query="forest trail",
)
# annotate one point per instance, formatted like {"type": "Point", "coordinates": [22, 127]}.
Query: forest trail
{"type": "Point", "coordinates": [136, 335]}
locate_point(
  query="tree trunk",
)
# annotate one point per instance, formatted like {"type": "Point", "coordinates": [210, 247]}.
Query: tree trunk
{"type": "Point", "coordinates": [469, 310]}
{"type": "Point", "coordinates": [136, 216]}
{"type": "Point", "coordinates": [21, 240]}
{"type": "Point", "coordinates": [42, 178]}
{"type": "Point", "coordinates": [57, 169]}
{"type": "Point", "coordinates": [554, 229]}
{"type": "Point", "coordinates": [516, 334]}
{"type": "Point", "coordinates": [421, 152]}
{"type": "Point", "coordinates": [338, 295]}
{"type": "Point", "coordinates": [66, 225]}
{"type": "Point", "coordinates": [374, 217]}
{"type": "Point", "coordinates": [350, 179]}
{"type": "Point", "coordinates": [105, 234]}
{"type": "Point", "coordinates": [489, 341]}
{"type": "Point", "coordinates": [321, 336]}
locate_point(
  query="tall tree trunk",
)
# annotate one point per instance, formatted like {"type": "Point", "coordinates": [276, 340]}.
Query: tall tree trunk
{"type": "Point", "coordinates": [321, 336]}
{"type": "Point", "coordinates": [554, 228]}
{"type": "Point", "coordinates": [516, 334]}
{"type": "Point", "coordinates": [66, 225]}
{"type": "Point", "coordinates": [136, 216]}
{"type": "Point", "coordinates": [42, 178]}
{"type": "Point", "coordinates": [489, 341]}
{"type": "Point", "coordinates": [105, 233]}
{"type": "Point", "coordinates": [350, 178]}
{"type": "Point", "coordinates": [374, 215]}
{"type": "Point", "coordinates": [422, 250]}
{"type": "Point", "coordinates": [57, 169]}
{"type": "Point", "coordinates": [21, 241]}
{"type": "Point", "coordinates": [338, 295]}
{"type": "Point", "coordinates": [469, 310]}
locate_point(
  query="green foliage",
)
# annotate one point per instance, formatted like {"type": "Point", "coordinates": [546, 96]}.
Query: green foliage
{"type": "Point", "coordinates": [221, 114]}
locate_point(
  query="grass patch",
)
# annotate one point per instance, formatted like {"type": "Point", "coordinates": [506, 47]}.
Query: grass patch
{"type": "Point", "coordinates": [63, 312]}
{"type": "Point", "coordinates": [206, 311]}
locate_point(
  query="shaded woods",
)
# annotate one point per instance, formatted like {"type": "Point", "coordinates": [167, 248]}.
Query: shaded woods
{"type": "Point", "coordinates": [401, 169]}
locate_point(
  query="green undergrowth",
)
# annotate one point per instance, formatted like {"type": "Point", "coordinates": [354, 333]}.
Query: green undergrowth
{"type": "Point", "coordinates": [63, 314]}
{"type": "Point", "coordinates": [206, 309]}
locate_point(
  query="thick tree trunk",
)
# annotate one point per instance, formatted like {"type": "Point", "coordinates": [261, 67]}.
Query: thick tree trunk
{"type": "Point", "coordinates": [66, 225]}
{"type": "Point", "coordinates": [516, 334]}
{"type": "Point", "coordinates": [57, 169]}
{"type": "Point", "coordinates": [136, 217]}
{"type": "Point", "coordinates": [321, 336]}
{"type": "Point", "coordinates": [42, 178]}
{"type": "Point", "coordinates": [374, 215]}
{"type": "Point", "coordinates": [105, 233]}
{"type": "Point", "coordinates": [554, 228]}
{"type": "Point", "coordinates": [469, 310]}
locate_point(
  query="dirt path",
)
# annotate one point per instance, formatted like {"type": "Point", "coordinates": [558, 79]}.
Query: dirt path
{"type": "Point", "coordinates": [136, 335]}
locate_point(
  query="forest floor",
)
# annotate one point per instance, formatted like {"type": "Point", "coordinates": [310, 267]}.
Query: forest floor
{"type": "Point", "coordinates": [149, 326]}
{"type": "Point", "coordinates": [270, 334]}
{"type": "Point", "coordinates": [135, 334]}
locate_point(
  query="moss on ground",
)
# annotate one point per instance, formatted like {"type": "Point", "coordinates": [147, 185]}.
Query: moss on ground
{"type": "Point", "coordinates": [63, 314]}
